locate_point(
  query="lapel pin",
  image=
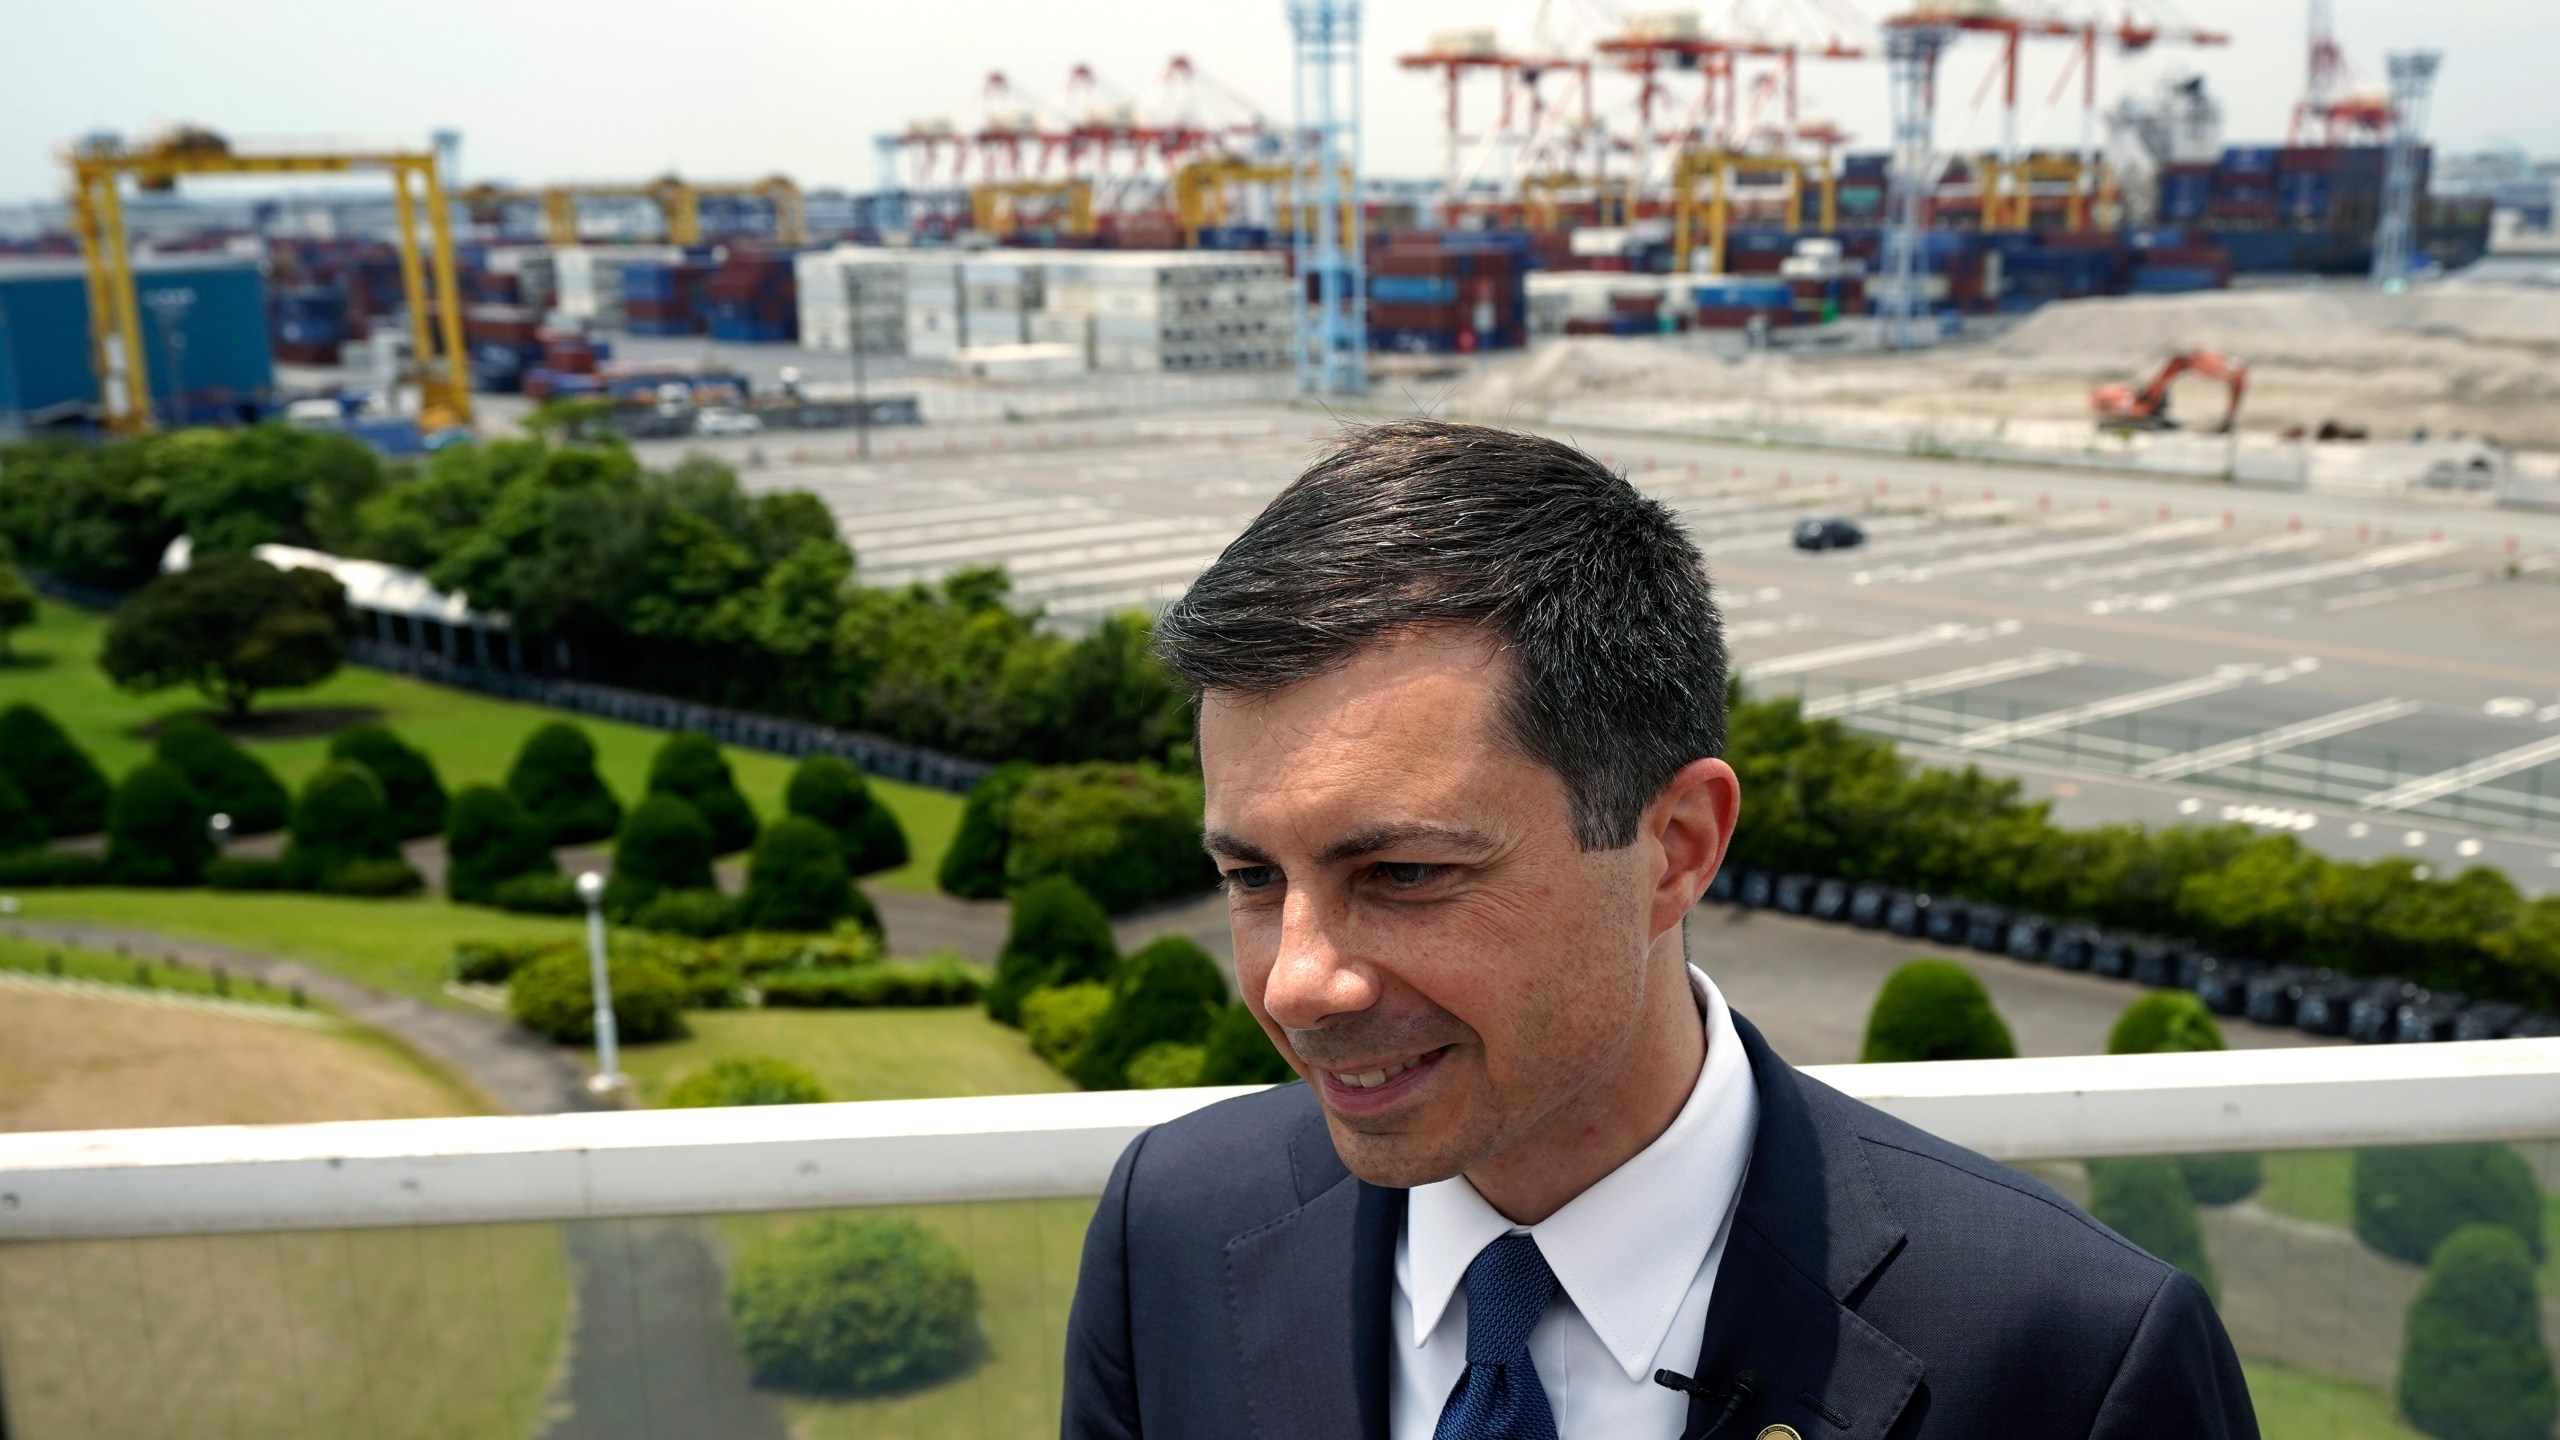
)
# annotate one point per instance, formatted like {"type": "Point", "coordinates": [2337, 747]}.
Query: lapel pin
{"type": "Point", "coordinates": [1780, 1432]}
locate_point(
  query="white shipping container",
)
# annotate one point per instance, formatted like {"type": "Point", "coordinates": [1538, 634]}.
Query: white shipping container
{"type": "Point", "coordinates": [1021, 362]}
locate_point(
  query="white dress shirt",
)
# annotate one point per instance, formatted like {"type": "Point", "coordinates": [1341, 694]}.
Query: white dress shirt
{"type": "Point", "coordinates": [1635, 1258]}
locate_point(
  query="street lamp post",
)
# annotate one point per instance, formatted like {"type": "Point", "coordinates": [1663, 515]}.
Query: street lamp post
{"type": "Point", "coordinates": [608, 1076]}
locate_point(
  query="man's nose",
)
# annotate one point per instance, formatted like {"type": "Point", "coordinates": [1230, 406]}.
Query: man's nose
{"type": "Point", "coordinates": [1316, 974]}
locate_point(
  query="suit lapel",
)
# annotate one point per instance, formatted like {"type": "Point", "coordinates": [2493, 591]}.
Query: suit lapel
{"type": "Point", "coordinates": [1310, 1294]}
{"type": "Point", "coordinates": [1810, 1229]}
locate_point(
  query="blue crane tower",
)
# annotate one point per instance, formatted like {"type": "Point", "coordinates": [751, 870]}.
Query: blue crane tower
{"type": "Point", "coordinates": [1324, 147]}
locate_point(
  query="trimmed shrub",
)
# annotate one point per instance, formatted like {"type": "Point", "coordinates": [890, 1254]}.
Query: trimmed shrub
{"type": "Point", "coordinates": [1127, 833]}
{"type": "Point", "coordinates": [829, 790]}
{"type": "Point", "coordinates": [538, 895]}
{"type": "Point", "coordinates": [2473, 1365]}
{"type": "Point", "coordinates": [554, 776]}
{"type": "Point", "coordinates": [758, 952]}
{"type": "Point", "coordinates": [41, 869]}
{"type": "Point", "coordinates": [973, 868]}
{"type": "Point", "coordinates": [156, 828]}
{"type": "Point", "coordinates": [702, 914]}
{"type": "Point", "coordinates": [885, 985]}
{"type": "Point", "coordinates": [2145, 1200]}
{"type": "Point", "coordinates": [373, 878]}
{"type": "Point", "coordinates": [664, 845]}
{"type": "Point", "coordinates": [244, 872]}
{"type": "Point", "coordinates": [489, 839]}
{"type": "Point", "coordinates": [1170, 990]}
{"type": "Point", "coordinates": [494, 962]}
{"type": "Point", "coordinates": [746, 1080]}
{"type": "Point", "coordinates": [2407, 1201]}
{"type": "Point", "coordinates": [340, 817]}
{"type": "Point", "coordinates": [1166, 1066]}
{"type": "Point", "coordinates": [553, 997]}
{"type": "Point", "coordinates": [1935, 1010]}
{"type": "Point", "coordinates": [409, 783]}
{"type": "Point", "coordinates": [1058, 936]}
{"type": "Point", "coordinates": [863, 917]}
{"type": "Point", "coordinates": [59, 779]}
{"type": "Point", "coordinates": [2173, 1021]}
{"type": "Point", "coordinates": [691, 768]}
{"type": "Point", "coordinates": [879, 842]}
{"type": "Point", "coordinates": [1058, 1020]}
{"type": "Point", "coordinates": [796, 878]}
{"type": "Point", "coordinates": [855, 1305]}
{"type": "Point", "coordinates": [21, 826]}
{"type": "Point", "coordinates": [1237, 1052]}
{"type": "Point", "coordinates": [232, 781]}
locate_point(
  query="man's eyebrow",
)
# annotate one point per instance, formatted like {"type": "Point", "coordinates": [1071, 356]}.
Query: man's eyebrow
{"type": "Point", "coordinates": [1389, 836]}
{"type": "Point", "coordinates": [1228, 847]}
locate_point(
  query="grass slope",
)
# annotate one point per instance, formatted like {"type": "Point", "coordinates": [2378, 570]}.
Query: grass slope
{"type": "Point", "coordinates": [858, 1054]}
{"type": "Point", "coordinates": [2299, 1405]}
{"type": "Point", "coordinates": [473, 738]}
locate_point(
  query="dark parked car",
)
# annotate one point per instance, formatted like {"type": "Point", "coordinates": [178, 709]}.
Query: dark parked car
{"type": "Point", "coordinates": [2374, 1012]}
{"type": "Point", "coordinates": [2071, 946]}
{"type": "Point", "coordinates": [2427, 1016]}
{"type": "Point", "coordinates": [1950, 921]}
{"type": "Point", "coordinates": [1868, 903]}
{"type": "Point", "coordinates": [2028, 936]}
{"type": "Point", "coordinates": [2223, 983]}
{"type": "Point", "coordinates": [2156, 963]}
{"type": "Point", "coordinates": [2536, 1025]}
{"type": "Point", "coordinates": [2112, 955]}
{"type": "Point", "coordinates": [2323, 1006]}
{"type": "Point", "coordinates": [1908, 914]}
{"type": "Point", "coordinates": [1830, 901]}
{"type": "Point", "coordinates": [2488, 1020]}
{"type": "Point", "coordinates": [1721, 888]}
{"type": "Point", "coordinates": [1986, 928]}
{"type": "Point", "coordinates": [1793, 894]}
{"type": "Point", "coordinates": [2274, 991]}
{"type": "Point", "coordinates": [1829, 532]}
{"type": "Point", "coordinates": [1757, 890]}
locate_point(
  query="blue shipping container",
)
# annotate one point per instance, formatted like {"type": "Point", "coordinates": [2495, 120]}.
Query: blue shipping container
{"type": "Point", "coordinates": [1413, 289]}
{"type": "Point", "coordinates": [44, 326]}
{"type": "Point", "coordinates": [2175, 279]}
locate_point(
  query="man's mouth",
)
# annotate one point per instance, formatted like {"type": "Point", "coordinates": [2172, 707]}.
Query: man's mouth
{"type": "Point", "coordinates": [1372, 1079]}
{"type": "Point", "coordinates": [1381, 1085]}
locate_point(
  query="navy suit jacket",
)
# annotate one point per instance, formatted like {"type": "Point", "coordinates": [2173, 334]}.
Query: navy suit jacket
{"type": "Point", "coordinates": [1880, 1281]}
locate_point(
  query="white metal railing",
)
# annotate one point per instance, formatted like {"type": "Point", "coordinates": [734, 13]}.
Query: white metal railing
{"type": "Point", "coordinates": [237, 1179]}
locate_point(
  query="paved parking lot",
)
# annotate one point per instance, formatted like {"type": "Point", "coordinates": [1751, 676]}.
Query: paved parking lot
{"type": "Point", "coordinates": [2376, 676]}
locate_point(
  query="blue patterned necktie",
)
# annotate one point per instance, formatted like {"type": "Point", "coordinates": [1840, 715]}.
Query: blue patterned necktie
{"type": "Point", "coordinates": [1500, 1397]}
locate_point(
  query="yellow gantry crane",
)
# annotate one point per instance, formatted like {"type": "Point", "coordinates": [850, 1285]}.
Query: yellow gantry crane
{"type": "Point", "coordinates": [679, 205]}
{"type": "Point", "coordinates": [98, 172]}
{"type": "Point", "coordinates": [1202, 194]}
{"type": "Point", "coordinates": [994, 205]}
{"type": "Point", "coordinates": [1721, 169]}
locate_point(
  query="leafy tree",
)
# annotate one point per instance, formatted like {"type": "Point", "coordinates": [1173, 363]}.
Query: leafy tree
{"type": "Point", "coordinates": [827, 789]}
{"type": "Point", "coordinates": [1127, 833]}
{"type": "Point", "coordinates": [554, 777]}
{"type": "Point", "coordinates": [663, 846]}
{"type": "Point", "coordinates": [2408, 1200]}
{"type": "Point", "coordinates": [94, 514]}
{"type": "Point", "coordinates": [231, 626]}
{"type": "Point", "coordinates": [489, 839]}
{"type": "Point", "coordinates": [1935, 1010]}
{"type": "Point", "coordinates": [156, 828]}
{"type": "Point", "coordinates": [554, 997]}
{"type": "Point", "coordinates": [2473, 1365]}
{"type": "Point", "coordinates": [1169, 992]}
{"type": "Point", "coordinates": [2175, 1022]}
{"type": "Point", "coordinates": [691, 768]}
{"type": "Point", "coordinates": [747, 1080]}
{"type": "Point", "coordinates": [408, 777]}
{"type": "Point", "coordinates": [57, 776]}
{"type": "Point", "coordinates": [855, 1305]}
{"type": "Point", "coordinates": [21, 826]}
{"type": "Point", "coordinates": [2145, 1200]}
{"type": "Point", "coordinates": [1058, 936]}
{"type": "Point", "coordinates": [341, 821]}
{"type": "Point", "coordinates": [973, 868]}
{"type": "Point", "coordinates": [270, 484]}
{"type": "Point", "coordinates": [415, 523]}
{"type": "Point", "coordinates": [796, 878]}
{"type": "Point", "coordinates": [232, 781]}
{"type": "Point", "coordinates": [17, 607]}
{"type": "Point", "coordinates": [1239, 1052]}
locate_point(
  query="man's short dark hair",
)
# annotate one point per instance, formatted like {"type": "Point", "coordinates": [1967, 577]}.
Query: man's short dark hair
{"type": "Point", "coordinates": [1594, 590]}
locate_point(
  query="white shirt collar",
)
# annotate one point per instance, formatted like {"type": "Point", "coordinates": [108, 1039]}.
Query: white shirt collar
{"type": "Point", "coordinates": [1626, 1249]}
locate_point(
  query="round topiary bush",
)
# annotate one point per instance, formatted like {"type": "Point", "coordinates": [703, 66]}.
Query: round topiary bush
{"type": "Point", "coordinates": [690, 767]}
{"type": "Point", "coordinates": [555, 777]}
{"type": "Point", "coordinates": [1165, 1065]}
{"type": "Point", "coordinates": [703, 914]}
{"type": "Point", "coordinates": [2407, 1201]}
{"type": "Point", "coordinates": [747, 1080]}
{"type": "Point", "coordinates": [1058, 936]}
{"type": "Point", "coordinates": [340, 818]}
{"type": "Point", "coordinates": [2171, 1022]}
{"type": "Point", "coordinates": [1168, 992]}
{"type": "Point", "coordinates": [879, 842]}
{"type": "Point", "coordinates": [60, 780]}
{"type": "Point", "coordinates": [409, 783]}
{"type": "Point", "coordinates": [663, 846]}
{"type": "Point", "coordinates": [1127, 833]}
{"type": "Point", "coordinates": [2473, 1365]}
{"type": "Point", "coordinates": [1935, 1010]}
{"type": "Point", "coordinates": [232, 781]}
{"type": "Point", "coordinates": [21, 827]}
{"type": "Point", "coordinates": [827, 789]}
{"type": "Point", "coordinates": [973, 868]}
{"type": "Point", "coordinates": [2145, 1200]}
{"type": "Point", "coordinates": [538, 895]}
{"type": "Point", "coordinates": [796, 878]}
{"type": "Point", "coordinates": [489, 839]}
{"type": "Point", "coordinates": [1237, 1052]}
{"type": "Point", "coordinates": [855, 1305]}
{"type": "Point", "coordinates": [1058, 1019]}
{"type": "Point", "coordinates": [156, 828]}
{"type": "Point", "coordinates": [554, 997]}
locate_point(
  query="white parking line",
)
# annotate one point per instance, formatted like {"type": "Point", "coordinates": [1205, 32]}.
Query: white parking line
{"type": "Point", "coordinates": [2410, 591]}
{"type": "Point", "coordinates": [857, 520]}
{"type": "Point", "coordinates": [2226, 678]}
{"type": "Point", "coordinates": [2038, 554]}
{"type": "Point", "coordinates": [1182, 567]}
{"type": "Point", "coordinates": [1948, 536]}
{"type": "Point", "coordinates": [987, 549]}
{"type": "Point", "coordinates": [1047, 516]}
{"type": "Point", "coordinates": [2283, 737]}
{"type": "Point", "coordinates": [1049, 562]}
{"type": "Point", "coordinates": [2382, 559]}
{"type": "Point", "coordinates": [2187, 560]}
{"type": "Point", "coordinates": [1935, 635]}
{"type": "Point", "coordinates": [1878, 697]}
{"type": "Point", "coordinates": [2463, 777]}
{"type": "Point", "coordinates": [1763, 629]}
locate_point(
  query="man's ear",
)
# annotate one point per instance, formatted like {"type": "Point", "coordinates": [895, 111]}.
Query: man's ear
{"type": "Point", "coordinates": [1687, 828]}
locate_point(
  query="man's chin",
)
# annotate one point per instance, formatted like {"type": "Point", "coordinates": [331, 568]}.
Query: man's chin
{"type": "Point", "coordinates": [1400, 1159]}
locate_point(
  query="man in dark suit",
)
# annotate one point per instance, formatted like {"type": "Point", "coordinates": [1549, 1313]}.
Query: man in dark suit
{"type": "Point", "coordinates": [1461, 702]}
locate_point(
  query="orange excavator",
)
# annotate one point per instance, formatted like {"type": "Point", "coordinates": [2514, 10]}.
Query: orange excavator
{"type": "Point", "coordinates": [2122, 407]}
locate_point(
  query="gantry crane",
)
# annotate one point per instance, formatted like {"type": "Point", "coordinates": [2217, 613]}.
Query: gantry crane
{"type": "Point", "coordinates": [98, 172]}
{"type": "Point", "coordinates": [679, 205]}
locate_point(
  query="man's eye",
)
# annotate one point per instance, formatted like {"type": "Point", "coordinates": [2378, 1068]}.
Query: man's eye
{"type": "Point", "coordinates": [1251, 877]}
{"type": "Point", "coordinates": [1407, 872]}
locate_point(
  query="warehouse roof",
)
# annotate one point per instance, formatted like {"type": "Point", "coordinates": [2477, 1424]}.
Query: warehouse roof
{"type": "Point", "coordinates": [371, 585]}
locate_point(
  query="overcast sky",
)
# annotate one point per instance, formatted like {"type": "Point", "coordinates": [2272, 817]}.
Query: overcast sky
{"type": "Point", "coordinates": [616, 89]}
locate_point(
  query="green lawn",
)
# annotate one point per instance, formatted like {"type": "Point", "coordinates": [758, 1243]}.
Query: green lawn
{"type": "Point", "coordinates": [140, 969]}
{"type": "Point", "coordinates": [858, 1054]}
{"type": "Point", "coordinates": [2299, 1405]}
{"type": "Point", "coordinates": [2319, 1185]}
{"type": "Point", "coordinates": [472, 738]}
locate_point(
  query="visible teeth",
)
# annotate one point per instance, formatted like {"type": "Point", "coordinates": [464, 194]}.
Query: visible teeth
{"type": "Point", "coordinates": [1372, 1079]}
